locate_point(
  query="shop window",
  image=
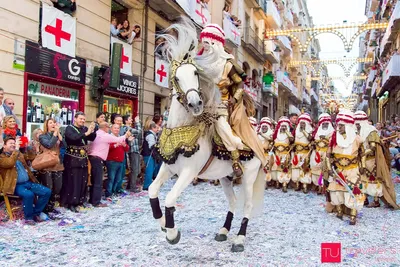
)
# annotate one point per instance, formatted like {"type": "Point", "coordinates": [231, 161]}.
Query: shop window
{"type": "Point", "coordinates": [66, 6]}
{"type": "Point", "coordinates": [117, 105]}
{"type": "Point", "coordinates": [50, 101]}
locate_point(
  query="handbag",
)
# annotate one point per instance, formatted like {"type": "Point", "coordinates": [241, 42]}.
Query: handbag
{"type": "Point", "coordinates": [46, 159]}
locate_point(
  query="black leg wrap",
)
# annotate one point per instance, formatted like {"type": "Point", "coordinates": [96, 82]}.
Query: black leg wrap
{"type": "Point", "coordinates": [243, 227]}
{"type": "Point", "coordinates": [228, 221]}
{"type": "Point", "coordinates": [169, 217]}
{"type": "Point", "coordinates": [230, 178]}
{"type": "Point", "coordinates": [155, 207]}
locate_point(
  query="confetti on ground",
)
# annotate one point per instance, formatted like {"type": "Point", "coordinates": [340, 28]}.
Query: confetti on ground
{"type": "Point", "coordinates": [289, 233]}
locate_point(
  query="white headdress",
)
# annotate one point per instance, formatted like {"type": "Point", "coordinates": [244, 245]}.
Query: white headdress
{"type": "Point", "coordinates": [362, 118]}
{"type": "Point", "coordinates": [253, 122]}
{"type": "Point", "coordinates": [324, 117]}
{"type": "Point", "coordinates": [346, 117]}
{"type": "Point", "coordinates": [307, 119]}
{"type": "Point", "coordinates": [277, 134]}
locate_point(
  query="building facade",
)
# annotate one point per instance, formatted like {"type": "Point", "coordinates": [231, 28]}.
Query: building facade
{"type": "Point", "coordinates": [380, 93]}
{"type": "Point", "coordinates": [78, 65]}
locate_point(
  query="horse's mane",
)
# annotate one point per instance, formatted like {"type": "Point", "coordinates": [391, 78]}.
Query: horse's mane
{"type": "Point", "coordinates": [180, 40]}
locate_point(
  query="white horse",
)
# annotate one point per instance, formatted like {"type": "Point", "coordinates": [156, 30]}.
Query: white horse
{"type": "Point", "coordinates": [187, 106]}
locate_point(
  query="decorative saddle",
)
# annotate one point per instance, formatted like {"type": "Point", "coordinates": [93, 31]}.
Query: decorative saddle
{"type": "Point", "coordinates": [219, 150]}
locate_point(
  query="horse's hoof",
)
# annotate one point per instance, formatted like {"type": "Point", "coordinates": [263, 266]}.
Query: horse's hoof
{"type": "Point", "coordinates": [221, 237]}
{"type": "Point", "coordinates": [237, 248]}
{"type": "Point", "coordinates": [176, 240]}
{"type": "Point", "coordinates": [163, 229]}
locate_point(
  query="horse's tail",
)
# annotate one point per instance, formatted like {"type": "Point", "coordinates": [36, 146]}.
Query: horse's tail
{"type": "Point", "coordinates": [258, 195]}
{"type": "Point", "coordinates": [249, 105]}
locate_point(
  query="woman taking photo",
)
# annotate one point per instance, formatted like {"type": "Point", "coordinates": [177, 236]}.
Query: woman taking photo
{"type": "Point", "coordinates": [51, 139]}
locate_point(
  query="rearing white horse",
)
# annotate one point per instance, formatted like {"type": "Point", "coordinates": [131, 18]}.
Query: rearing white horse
{"type": "Point", "coordinates": [186, 142]}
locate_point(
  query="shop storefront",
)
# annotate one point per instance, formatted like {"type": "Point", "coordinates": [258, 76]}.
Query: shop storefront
{"type": "Point", "coordinates": [54, 87]}
{"type": "Point", "coordinates": [122, 100]}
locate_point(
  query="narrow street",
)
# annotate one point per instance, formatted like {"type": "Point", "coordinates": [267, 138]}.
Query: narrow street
{"type": "Point", "coordinates": [289, 233]}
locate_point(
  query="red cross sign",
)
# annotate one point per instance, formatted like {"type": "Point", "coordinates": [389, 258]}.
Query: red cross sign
{"type": "Point", "coordinates": [124, 59]}
{"type": "Point", "coordinates": [161, 73]}
{"type": "Point", "coordinates": [58, 31]}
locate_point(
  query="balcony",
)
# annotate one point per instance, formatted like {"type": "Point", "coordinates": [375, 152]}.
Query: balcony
{"type": "Point", "coordinates": [306, 98]}
{"type": "Point", "coordinates": [271, 88]}
{"type": "Point", "coordinates": [286, 84]}
{"type": "Point", "coordinates": [286, 44]}
{"type": "Point", "coordinates": [253, 44]}
{"type": "Point", "coordinates": [391, 75]}
{"type": "Point", "coordinates": [170, 9]}
{"type": "Point", "coordinates": [289, 18]}
{"type": "Point", "coordinates": [272, 13]}
{"type": "Point", "coordinates": [254, 90]}
{"type": "Point", "coordinates": [371, 7]}
{"type": "Point", "coordinates": [272, 56]}
{"type": "Point", "coordinates": [392, 31]}
{"type": "Point", "coordinates": [232, 33]}
{"type": "Point", "coordinates": [314, 96]}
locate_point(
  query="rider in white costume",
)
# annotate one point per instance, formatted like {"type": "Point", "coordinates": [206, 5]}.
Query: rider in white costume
{"type": "Point", "coordinates": [234, 109]}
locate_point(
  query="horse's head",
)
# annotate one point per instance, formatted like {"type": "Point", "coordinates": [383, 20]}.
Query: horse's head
{"type": "Point", "coordinates": [185, 80]}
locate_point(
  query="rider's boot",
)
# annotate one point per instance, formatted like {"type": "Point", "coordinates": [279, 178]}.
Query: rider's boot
{"type": "Point", "coordinates": [236, 164]}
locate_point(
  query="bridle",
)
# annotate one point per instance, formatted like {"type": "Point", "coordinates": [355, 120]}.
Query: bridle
{"type": "Point", "coordinates": [181, 96]}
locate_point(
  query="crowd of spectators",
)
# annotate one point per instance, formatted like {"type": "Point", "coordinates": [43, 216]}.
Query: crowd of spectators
{"type": "Point", "coordinates": [75, 166]}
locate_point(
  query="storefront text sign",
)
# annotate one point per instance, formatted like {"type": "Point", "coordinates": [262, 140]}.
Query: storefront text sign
{"type": "Point", "coordinates": [35, 88]}
{"type": "Point", "coordinates": [58, 30]}
{"type": "Point", "coordinates": [48, 63]}
{"type": "Point", "coordinates": [128, 85]}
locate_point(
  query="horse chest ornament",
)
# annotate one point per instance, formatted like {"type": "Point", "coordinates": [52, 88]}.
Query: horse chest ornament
{"type": "Point", "coordinates": [180, 140]}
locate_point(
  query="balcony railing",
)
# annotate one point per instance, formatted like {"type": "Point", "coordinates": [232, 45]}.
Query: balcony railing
{"type": "Point", "coordinates": [253, 43]}
{"type": "Point", "coordinates": [289, 17]}
{"type": "Point", "coordinates": [254, 90]}
{"type": "Point", "coordinates": [273, 16]}
{"type": "Point", "coordinates": [269, 48]}
{"type": "Point", "coordinates": [232, 32]}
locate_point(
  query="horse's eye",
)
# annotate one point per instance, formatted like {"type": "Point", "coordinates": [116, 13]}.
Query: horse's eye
{"type": "Point", "coordinates": [196, 73]}
{"type": "Point", "coordinates": [176, 79]}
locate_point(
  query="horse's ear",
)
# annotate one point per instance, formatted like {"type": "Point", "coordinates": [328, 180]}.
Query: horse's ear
{"type": "Point", "coordinates": [185, 57]}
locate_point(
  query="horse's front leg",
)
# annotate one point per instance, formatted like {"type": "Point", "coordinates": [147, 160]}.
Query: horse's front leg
{"type": "Point", "coordinates": [154, 190]}
{"type": "Point", "coordinates": [184, 180]}
{"type": "Point", "coordinates": [227, 186]}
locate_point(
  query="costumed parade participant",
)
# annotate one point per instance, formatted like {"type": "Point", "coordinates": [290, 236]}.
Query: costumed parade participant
{"type": "Point", "coordinates": [282, 140]}
{"type": "Point", "coordinates": [377, 181]}
{"type": "Point", "coordinates": [265, 134]}
{"type": "Point", "coordinates": [253, 123]}
{"type": "Point", "coordinates": [235, 106]}
{"type": "Point", "coordinates": [302, 148]}
{"type": "Point", "coordinates": [322, 135]}
{"type": "Point", "coordinates": [342, 161]}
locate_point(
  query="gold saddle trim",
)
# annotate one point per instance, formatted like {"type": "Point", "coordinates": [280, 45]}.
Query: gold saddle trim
{"type": "Point", "coordinates": [175, 140]}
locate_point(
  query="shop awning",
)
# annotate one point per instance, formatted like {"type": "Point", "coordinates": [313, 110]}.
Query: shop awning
{"type": "Point", "coordinates": [391, 31]}
{"type": "Point", "coordinates": [391, 75]}
{"type": "Point", "coordinates": [294, 109]}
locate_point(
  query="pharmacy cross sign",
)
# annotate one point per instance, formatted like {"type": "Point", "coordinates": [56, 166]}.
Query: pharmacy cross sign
{"type": "Point", "coordinates": [58, 32]}
{"type": "Point", "coordinates": [200, 13]}
{"type": "Point", "coordinates": [161, 72]}
{"type": "Point", "coordinates": [124, 59]}
{"type": "Point", "coordinates": [235, 33]}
